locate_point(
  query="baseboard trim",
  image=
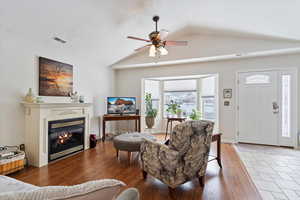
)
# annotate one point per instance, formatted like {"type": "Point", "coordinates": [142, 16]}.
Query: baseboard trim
{"type": "Point", "coordinates": [226, 140]}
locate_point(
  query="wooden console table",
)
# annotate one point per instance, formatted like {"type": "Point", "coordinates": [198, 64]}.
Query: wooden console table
{"type": "Point", "coordinates": [106, 118]}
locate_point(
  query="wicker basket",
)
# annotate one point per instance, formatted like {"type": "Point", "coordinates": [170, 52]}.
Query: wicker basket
{"type": "Point", "coordinates": [12, 164]}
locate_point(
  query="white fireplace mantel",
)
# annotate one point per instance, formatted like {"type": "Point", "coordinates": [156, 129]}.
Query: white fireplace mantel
{"type": "Point", "coordinates": [55, 105]}
{"type": "Point", "coordinates": [37, 117]}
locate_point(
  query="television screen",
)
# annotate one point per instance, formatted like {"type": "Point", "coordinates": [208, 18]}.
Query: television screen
{"type": "Point", "coordinates": [121, 105]}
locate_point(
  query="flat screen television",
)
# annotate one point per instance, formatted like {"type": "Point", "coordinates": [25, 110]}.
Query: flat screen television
{"type": "Point", "coordinates": [121, 105]}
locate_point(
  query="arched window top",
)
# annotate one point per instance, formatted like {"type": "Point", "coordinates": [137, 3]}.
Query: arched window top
{"type": "Point", "coordinates": [258, 79]}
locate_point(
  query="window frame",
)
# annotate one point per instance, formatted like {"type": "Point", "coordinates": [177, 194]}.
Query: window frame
{"type": "Point", "coordinates": [261, 79]}
{"type": "Point", "coordinates": [198, 105]}
{"type": "Point", "coordinates": [197, 90]}
{"type": "Point", "coordinates": [199, 96]}
{"type": "Point", "coordinates": [202, 105]}
{"type": "Point", "coordinates": [165, 114]}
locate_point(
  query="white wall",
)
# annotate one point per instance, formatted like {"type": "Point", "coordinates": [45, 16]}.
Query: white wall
{"type": "Point", "coordinates": [128, 81]}
{"type": "Point", "coordinates": [19, 71]}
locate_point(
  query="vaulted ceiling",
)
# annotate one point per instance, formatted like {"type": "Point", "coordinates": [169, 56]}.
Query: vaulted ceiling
{"type": "Point", "coordinates": [101, 27]}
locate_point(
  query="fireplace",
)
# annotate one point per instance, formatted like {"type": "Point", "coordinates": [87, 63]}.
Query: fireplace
{"type": "Point", "coordinates": [65, 137]}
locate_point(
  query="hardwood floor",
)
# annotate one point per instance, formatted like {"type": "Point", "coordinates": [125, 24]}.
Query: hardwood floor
{"type": "Point", "coordinates": [231, 182]}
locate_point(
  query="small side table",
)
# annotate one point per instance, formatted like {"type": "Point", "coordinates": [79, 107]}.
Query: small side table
{"type": "Point", "coordinates": [171, 120]}
{"type": "Point", "coordinates": [216, 137]}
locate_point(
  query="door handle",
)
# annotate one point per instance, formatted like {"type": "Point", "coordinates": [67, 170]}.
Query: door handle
{"type": "Point", "coordinates": [275, 107]}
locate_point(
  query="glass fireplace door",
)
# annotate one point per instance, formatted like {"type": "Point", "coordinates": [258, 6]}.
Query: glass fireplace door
{"type": "Point", "coordinates": [65, 137]}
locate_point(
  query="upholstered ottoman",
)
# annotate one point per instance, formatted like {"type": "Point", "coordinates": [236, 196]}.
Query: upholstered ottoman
{"type": "Point", "coordinates": [130, 142]}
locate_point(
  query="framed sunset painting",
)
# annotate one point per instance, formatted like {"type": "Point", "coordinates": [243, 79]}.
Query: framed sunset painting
{"type": "Point", "coordinates": [55, 78]}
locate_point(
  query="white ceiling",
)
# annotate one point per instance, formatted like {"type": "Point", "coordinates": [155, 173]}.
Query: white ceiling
{"type": "Point", "coordinates": [101, 26]}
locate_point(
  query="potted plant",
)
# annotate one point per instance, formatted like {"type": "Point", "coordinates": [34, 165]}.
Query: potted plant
{"type": "Point", "coordinates": [195, 115]}
{"type": "Point", "coordinates": [179, 112]}
{"type": "Point", "coordinates": [151, 112]}
{"type": "Point", "coordinates": [173, 108]}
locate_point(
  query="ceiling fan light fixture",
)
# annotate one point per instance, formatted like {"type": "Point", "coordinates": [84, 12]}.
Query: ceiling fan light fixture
{"type": "Point", "coordinates": [163, 51]}
{"type": "Point", "coordinates": [152, 51]}
{"type": "Point", "coordinates": [157, 41]}
{"type": "Point", "coordinates": [163, 34]}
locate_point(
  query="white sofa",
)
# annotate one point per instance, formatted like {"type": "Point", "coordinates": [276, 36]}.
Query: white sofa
{"type": "Point", "coordinates": [105, 189]}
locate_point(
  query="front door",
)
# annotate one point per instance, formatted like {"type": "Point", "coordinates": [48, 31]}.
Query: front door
{"type": "Point", "coordinates": [265, 102]}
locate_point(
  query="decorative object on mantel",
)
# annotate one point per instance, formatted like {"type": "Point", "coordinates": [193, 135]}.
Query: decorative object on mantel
{"type": "Point", "coordinates": [151, 112]}
{"type": "Point", "coordinates": [55, 78]}
{"type": "Point", "coordinates": [29, 98]}
{"type": "Point", "coordinates": [39, 100]}
{"type": "Point", "coordinates": [74, 97]}
{"type": "Point", "coordinates": [81, 99]}
{"type": "Point", "coordinates": [11, 159]}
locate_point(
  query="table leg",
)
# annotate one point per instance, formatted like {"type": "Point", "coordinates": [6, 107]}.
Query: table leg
{"type": "Point", "coordinates": [167, 129]}
{"type": "Point", "coordinates": [219, 151]}
{"type": "Point", "coordinates": [139, 124]}
{"type": "Point", "coordinates": [129, 156]}
{"type": "Point", "coordinates": [103, 130]}
{"type": "Point", "coordinates": [136, 125]}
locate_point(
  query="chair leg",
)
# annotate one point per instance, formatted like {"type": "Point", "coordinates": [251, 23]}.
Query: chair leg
{"type": "Point", "coordinates": [172, 192]}
{"type": "Point", "coordinates": [129, 157]}
{"type": "Point", "coordinates": [144, 174]}
{"type": "Point", "coordinates": [219, 162]}
{"type": "Point", "coordinates": [117, 151]}
{"type": "Point", "coordinates": [202, 181]}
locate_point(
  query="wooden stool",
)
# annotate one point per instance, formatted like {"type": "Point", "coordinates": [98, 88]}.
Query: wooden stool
{"type": "Point", "coordinates": [170, 120]}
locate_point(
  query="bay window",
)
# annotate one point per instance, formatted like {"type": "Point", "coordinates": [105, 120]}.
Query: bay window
{"type": "Point", "coordinates": [182, 92]}
{"type": "Point", "coordinates": [197, 93]}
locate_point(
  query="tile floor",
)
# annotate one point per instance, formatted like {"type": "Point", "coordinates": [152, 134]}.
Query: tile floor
{"type": "Point", "coordinates": [274, 170]}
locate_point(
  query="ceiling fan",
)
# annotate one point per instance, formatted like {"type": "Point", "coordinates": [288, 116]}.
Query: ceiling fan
{"type": "Point", "coordinates": [157, 42]}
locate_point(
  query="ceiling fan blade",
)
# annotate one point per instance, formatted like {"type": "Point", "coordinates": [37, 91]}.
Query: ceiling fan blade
{"type": "Point", "coordinates": [136, 38]}
{"type": "Point", "coordinates": [163, 34]}
{"type": "Point", "coordinates": [143, 47]}
{"type": "Point", "coordinates": [176, 43]}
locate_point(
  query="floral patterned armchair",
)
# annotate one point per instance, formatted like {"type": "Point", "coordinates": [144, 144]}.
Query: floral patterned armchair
{"type": "Point", "coordinates": [184, 158]}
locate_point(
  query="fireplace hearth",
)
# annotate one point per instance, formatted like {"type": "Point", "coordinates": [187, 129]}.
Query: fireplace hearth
{"type": "Point", "coordinates": [65, 137]}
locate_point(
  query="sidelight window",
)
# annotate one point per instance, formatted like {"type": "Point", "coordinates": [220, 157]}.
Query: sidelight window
{"type": "Point", "coordinates": [286, 106]}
